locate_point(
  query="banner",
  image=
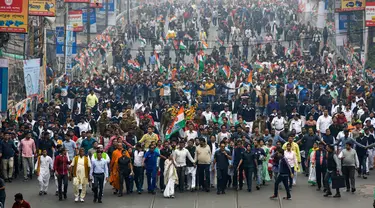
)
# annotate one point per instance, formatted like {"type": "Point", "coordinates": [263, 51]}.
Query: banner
{"type": "Point", "coordinates": [42, 8]}
{"type": "Point", "coordinates": [352, 5]}
{"type": "Point", "coordinates": [96, 3]}
{"type": "Point", "coordinates": [14, 16]}
{"type": "Point", "coordinates": [92, 20]}
{"type": "Point", "coordinates": [4, 84]}
{"type": "Point", "coordinates": [111, 6]}
{"type": "Point", "coordinates": [77, 1]}
{"type": "Point", "coordinates": [75, 20]}
{"type": "Point", "coordinates": [343, 20]}
{"type": "Point", "coordinates": [69, 49]}
{"type": "Point", "coordinates": [370, 14]}
{"type": "Point", "coordinates": [59, 41]}
{"type": "Point", "coordinates": [31, 71]}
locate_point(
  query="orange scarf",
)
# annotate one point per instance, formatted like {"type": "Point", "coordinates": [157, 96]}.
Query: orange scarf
{"type": "Point", "coordinates": [38, 167]}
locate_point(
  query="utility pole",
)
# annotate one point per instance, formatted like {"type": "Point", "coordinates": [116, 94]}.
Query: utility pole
{"type": "Point", "coordinates": [88, 25]}
{"type": "Point", "coordinates": [128, 11]}
{"type": "Point", "coordinates": [106, 13]}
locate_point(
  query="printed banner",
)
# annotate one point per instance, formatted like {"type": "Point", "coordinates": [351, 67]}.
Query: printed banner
{"type": "Point", "coordinates": [14, 16]}
{"type": "Point", "coordinates": [92, 20]}
{"type": "Point", "coordinates": [4, 84]}
{"type": "Point", "coordinates": [370, 14]}
{"type": "Point", "coordinates": [31, 71]}
{"type": "Point", "coordinates": [352, 5]}
{"type": "Point", "coordinates": [77, 1]}
{"type": "Point", "coordinates": [75, 20]}
{"type": "Point", "coordinates": [59, 41]}
{"type": "Point", "coordinates": [42, 8]}
{"type": "Point", "coordinates": [96, 3]}
{"type": "Point", "coordinates": [69, 49]}
{"type": "Point", "coordinates": [111, 6]}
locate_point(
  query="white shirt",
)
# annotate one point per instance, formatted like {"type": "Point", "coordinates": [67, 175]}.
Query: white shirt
{"type": "Point", "coordinates": [296, 125]}
{"type": "Point", "coordinates": [208, 115]}
{"type": "Point", "coordinates": [278, 123]}
{"type": "Point", "coordinates": [84, 127]}
{"type": "Point", "coordinates": [191, 134]}
{"type": "Point", "coordinates": [46, 164]}
{"type": "Point", "coordinates": [291, 158]}
{"type": "Point", "coordinates": [348, 115]}
{"type": "Point", "coordinates": [220, 136]}
{"type": "Point", "coordinates": [138, 158]}
{"type": "Point", "coordinates": [323, 123]}
{"type": "Point", "coordinates": [179, 156]}
{"type": "Point", "coordinates": [137, 106]}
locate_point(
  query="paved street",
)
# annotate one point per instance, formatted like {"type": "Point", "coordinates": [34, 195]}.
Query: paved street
{"type": "Point", "coordinates": [303, 196]}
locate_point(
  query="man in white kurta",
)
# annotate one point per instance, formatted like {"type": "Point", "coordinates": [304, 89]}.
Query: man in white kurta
{"type": "Point", "coordinates": [80, 171]}
{"type": "Point", "coordinates": [43, 167]}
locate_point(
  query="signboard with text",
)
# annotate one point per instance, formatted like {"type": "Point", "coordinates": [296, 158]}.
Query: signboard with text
{"type": "Point", "coordinates": [75, 19]}
{"type": "Point", "coordinates": [96, 3]}
{"type": "Point", "coordinates": [351, 5]}
{"type": "Point", "coordinates": [77, 1]}
{"type": "Point", "coordinates": [370, 14]}
{"type": "Point", "coordinates": [42, 8]}
{"type": "Point", "coordinates": [14, 16]}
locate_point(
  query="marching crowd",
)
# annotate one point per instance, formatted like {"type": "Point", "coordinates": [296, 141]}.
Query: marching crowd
{"type": "Point", "coordinates": [251, 110]}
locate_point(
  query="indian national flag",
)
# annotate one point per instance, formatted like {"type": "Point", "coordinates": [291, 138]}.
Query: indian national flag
{"type": "Point", "coordinates": [182, 66]}
{"type": "Point", "coordinates": [182, 46]}
{"type": "Point", "coordinates": [220, 42]}
{"type": "Point", "coordinates": [226, 71]}
{"type": "Point", "coordinates": [178, 123]}
{"type": "Point", "coordinates": [187, 36]}
{"type": "Point", "coordinates": [258, 65]}
{"type": "Point", "coordinates": [173, 18]}
{"type": "Point", "coordinates": [157, 59]}
{"type": "Point", "coordinates": [204, 45]}
{"type": "Point", "coordinates": [142, 40]}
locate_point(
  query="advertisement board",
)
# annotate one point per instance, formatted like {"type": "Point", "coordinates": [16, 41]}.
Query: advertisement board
{"type": "Point", "coordinates": [59, 41]}
{"type": "Point", "coordinates": [352, 5]}
{"type": "Point", "coordinates": [370, 14]}
{"type": "Point", "coordinates": [92, 20]}
{"type": "Point", "coordinates": [31, 72]}
{"type": "Point", "coordinates": [75, 20]}
{"type": "Point", "coordinates": [96, 3]}
{"type": "Point", "coordinates": [42, 8]}
{"type": "Point", "coordinates": [14, 16]}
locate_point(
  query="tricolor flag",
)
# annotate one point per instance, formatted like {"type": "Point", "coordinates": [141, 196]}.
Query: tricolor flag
{"type": "Point", "coordinates": [187, 36]}
{"type": "Point", "coordinates": [204, 45]}
{"type": "Point", "coordinates": [182, 66]}
{"type": "Point", "coordinates": [258, 65]}
{"type": "Point", "coordinates": [157, 59]}
{"type": "Point", "coordinates": [182, 46]}
{"type": "Point", "coordinates": [220, 42]}
{"type": "Point", "coordinates": [142, 40]}
{"type": "Point", "coordinates": [226, 71]}
{"type": "Point", "coordinates": [173, 18]}
{"type": "Point", "coordinates": [178, 124]}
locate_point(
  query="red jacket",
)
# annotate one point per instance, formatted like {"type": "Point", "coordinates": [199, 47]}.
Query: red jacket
{"type": "Point", "coordinates": [61, 164]}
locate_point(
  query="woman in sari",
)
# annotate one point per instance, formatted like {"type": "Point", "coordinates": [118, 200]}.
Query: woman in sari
{"type": "Point", "coordinates": [265, 173]}
{"type": "Point", "coordinates": [311, 159]}
{"type": "Point", "coordinates": [170, 177]}
{"type": "Point", "coordinates": [115, 177]}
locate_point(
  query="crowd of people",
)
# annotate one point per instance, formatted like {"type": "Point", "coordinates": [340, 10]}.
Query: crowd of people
{"type": "Point", "coordinates": [265, 106]}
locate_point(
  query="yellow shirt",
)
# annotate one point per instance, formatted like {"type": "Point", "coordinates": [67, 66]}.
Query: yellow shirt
{"type": "Point", "coordinates": [91, 100]}
{"type": "Point", "coordinates": [208, 86]}
{"type": "Point", "coordinates": [147, 139]}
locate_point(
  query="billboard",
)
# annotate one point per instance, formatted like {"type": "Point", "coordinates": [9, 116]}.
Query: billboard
{"type": "Point", "coordinates": [59, 41]}
{"type": "Point", "coordinates": [14, 16]}
{"type": "Point", "coordinates": [370, 14]}
{"type": "Point", "coordinates": [92, 20]}
{"type": "Point", "coordinates": [111, 6]}
{"type": "Point", "coordinates": [352, 5]}
{"type": "Point", "coordinates": [96, 3]}
{"type": "Point", "coordinates": [31, 72]}
{"type": "Point", "coordinates": [4, 84]}
{"type": "Point", "coordinates": [77, 1]}
{"type": "Point", "coordinates": [42, 8]}
{"type": "Point", "coordinates": [75, 20]}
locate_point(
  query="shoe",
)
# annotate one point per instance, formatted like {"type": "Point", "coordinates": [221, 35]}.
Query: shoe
{"type": "Point", "coordinates": [56, 193]}
{"type": "Point", "coordinates": [347, 190]}
{"type": "Point", "coordinates": [364, 177]}
{"type": "Point", "coordinates": [273, 197]}
{"type": "Point", "coordinates": [76, 199]}
{"type": "Point", "coordinates": [258, 187]}
{"type": "Point", "coordinates": [218, 193]}
{"type": "Point", "coordinates": [139, 192]}
{"type": "Point", "coordinates": [119, 195]}
{"type": "Point", "coordinates": [324, 190]}
{"type": "Point", "coordinates": [9, 180]}
{"type": "Point", "coordinates": [100, 201]}
{"type": "Point", "coordinates": [327, 194]}
{"type": "Point", "coordinates": [65, 196]}
{"type": "Point", "coordinates": [337, 195]}
{"type": "Point", "coordinates": [40, 193]}
{"type": "Point", "coordinates": [153, 192]}
{"type": "Point", "coordinates": [318, 189]}
{"type": "Point", "coordinates": [45, 193]}
{"type": "Point", "coordinates": [353, 190]}
{"type": "Point", "coordinates": [82, 200]}
{"type": "Point", "coordinates": [25, 180]}
{"type": "Point", "coordinates": [249, 190]}
{"type": "Point", "coordinates": [172, 196]}
{"type": "Point", "coordinates": [240, 188]}
{"type": "Point", "coordinates": [223, 192]}
{"type": "Point", "coordinates": [287, 198]}
{"type": "Point", "coordinates": [207, 190]}
{"type": "Point", "coordinates": [60, 198]}
{"type": "Point", "coordinates": [94, 200]}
